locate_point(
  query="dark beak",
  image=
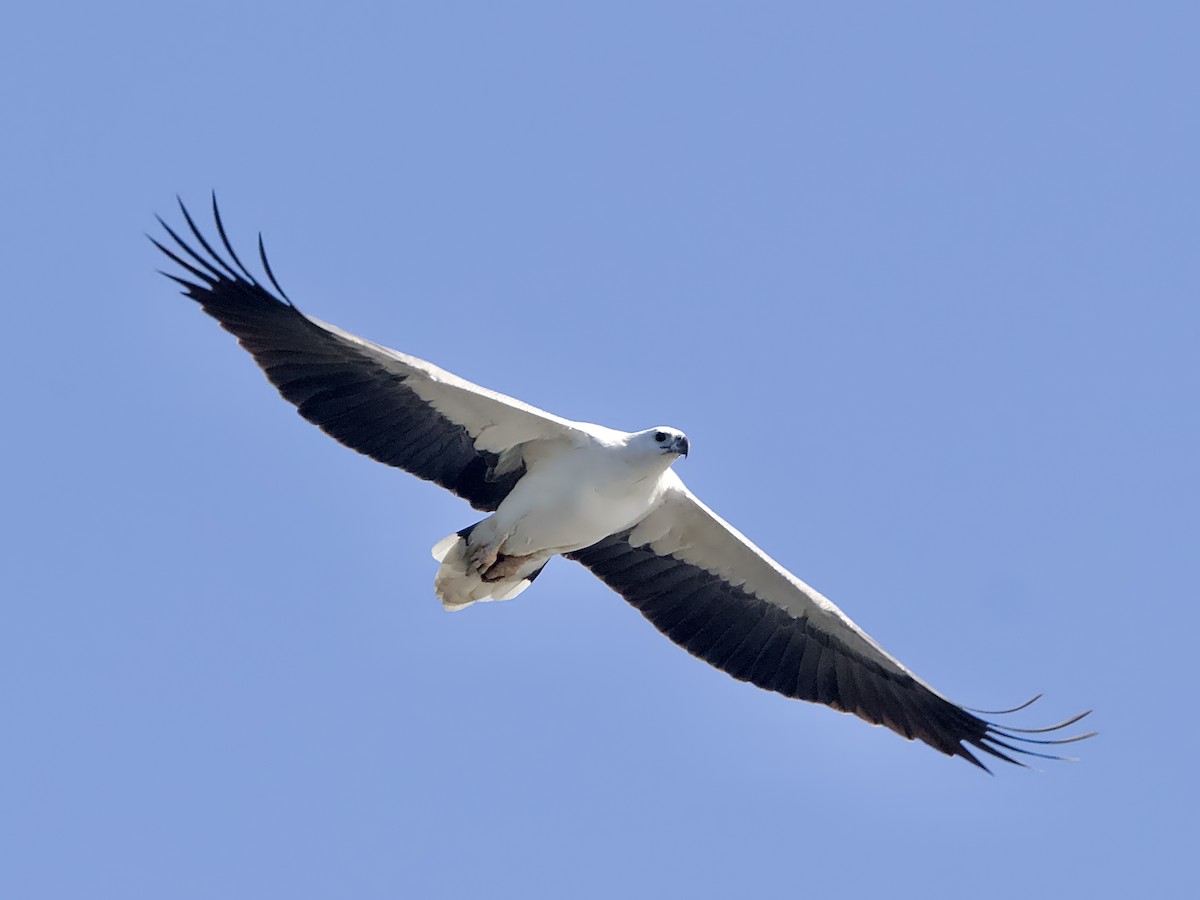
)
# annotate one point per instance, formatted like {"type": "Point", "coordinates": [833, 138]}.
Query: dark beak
{"type": "Point", "coordinates": [681, 445]}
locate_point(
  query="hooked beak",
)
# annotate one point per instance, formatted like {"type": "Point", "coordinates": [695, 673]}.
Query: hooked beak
{"type": "Point", "coordinates": [680, 445]}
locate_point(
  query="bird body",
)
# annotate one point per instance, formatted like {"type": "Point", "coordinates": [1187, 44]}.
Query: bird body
{"type": "Point", "coordinates": [607, 499]}
{"type": "Point", "coordinates": [577, 490]}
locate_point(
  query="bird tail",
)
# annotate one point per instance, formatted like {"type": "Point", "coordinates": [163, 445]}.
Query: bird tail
{"type": "Point", "coordinates": [457, 586]}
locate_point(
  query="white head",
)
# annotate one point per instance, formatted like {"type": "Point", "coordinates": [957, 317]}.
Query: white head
{"type": "Point", "coordinates": [661, 443]}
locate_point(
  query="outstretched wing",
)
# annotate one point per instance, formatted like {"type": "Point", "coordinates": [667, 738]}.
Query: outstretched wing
{"type": "Point", "coordinates": [394, 408]}
{"type": "Point", "coordinates": [718, 596]}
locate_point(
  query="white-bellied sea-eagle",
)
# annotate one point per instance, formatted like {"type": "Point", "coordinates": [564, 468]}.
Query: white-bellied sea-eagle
{"type": "Point", "coordinates": [607, 499]}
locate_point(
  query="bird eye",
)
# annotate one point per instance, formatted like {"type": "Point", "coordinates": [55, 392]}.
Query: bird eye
{"type": "Point", "coordinates": [660, 436]}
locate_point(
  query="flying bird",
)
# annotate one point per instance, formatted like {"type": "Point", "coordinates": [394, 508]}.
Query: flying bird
{"type": "Point", "coordinates": [605, 498]}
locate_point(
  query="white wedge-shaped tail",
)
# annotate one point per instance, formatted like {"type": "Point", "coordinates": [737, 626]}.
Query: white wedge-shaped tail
{"type": "Point", "coordinates": [457, 586]}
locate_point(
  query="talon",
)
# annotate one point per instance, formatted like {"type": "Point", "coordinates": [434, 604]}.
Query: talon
{"type": "Point", "coordinates": [504, 567]}
{"type": "Point", "coordinates": [481, 558]}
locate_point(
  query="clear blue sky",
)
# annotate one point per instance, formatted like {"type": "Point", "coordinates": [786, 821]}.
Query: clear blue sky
{"type": "Point", "coordinates": [919, 280]}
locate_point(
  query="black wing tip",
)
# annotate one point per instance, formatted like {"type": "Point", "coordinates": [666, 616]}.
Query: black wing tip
{"type": "Point", "coordinates": [996, 736]}
{"type": "Point", "coordinates": [1005, 712]}
{"type": "Point", "coordinates": [262, 255]}
{"type": "Point", "coordinates": [216, 211]}
{"type": "Point", "coordinates": [972, 759]}
{"type": "Point", "coordinates": [214, 270]}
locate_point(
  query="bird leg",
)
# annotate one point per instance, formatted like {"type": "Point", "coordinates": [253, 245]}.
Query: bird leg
{"type": "Point", "coordinates": [485, 558]}
{"type": "Point", "coordinates": [481, 556]}
{"type": "Point", "coordinates": [505, 567]}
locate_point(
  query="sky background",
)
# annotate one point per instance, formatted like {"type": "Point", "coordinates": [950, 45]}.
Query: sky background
{"type": "Point", "coordinates": [921, 283]}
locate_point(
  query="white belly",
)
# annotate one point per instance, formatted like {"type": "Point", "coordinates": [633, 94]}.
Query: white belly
{"type": "Point", "coordinates": [572, 501]}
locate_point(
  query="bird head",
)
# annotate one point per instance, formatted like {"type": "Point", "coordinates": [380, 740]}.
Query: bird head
{"type": "Point", "coordinates": [665, 440]}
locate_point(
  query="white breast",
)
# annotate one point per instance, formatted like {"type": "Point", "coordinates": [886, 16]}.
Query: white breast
{"type": "Point", "coordinates": [575, 498]}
